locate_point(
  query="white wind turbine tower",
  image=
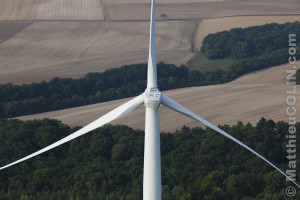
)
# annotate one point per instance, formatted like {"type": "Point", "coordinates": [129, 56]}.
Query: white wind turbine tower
{"type": "Point", "coordinates": [152, 98]}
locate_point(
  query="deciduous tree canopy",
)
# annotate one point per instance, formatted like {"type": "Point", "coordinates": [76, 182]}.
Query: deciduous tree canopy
{"type": "Point", "coordinates": [108, 163]}
{"type": "Point", "coordinates": [250, 42]}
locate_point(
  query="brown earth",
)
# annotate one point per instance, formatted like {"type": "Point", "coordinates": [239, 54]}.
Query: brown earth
{"type": "Point", "coordinates": [43, 50]}
{"type": "Point", "coordinates": [69, 10]}
{"type": "Point", "coordinates": [139, 9]}
{"type": "Point", "coordinates": [198, 9]}
{"type": "Point", "coordinates": [18, 9]}
{"type": "Point", "coordinates": [50, 10]}
{"type": "Point", "coordinates": [42, 39]}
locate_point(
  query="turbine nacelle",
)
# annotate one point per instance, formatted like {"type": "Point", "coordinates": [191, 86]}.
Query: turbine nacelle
{"type": "Point", "coordinates": [152, 98]}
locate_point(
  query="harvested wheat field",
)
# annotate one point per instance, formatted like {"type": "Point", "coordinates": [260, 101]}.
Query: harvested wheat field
{"type": "Point", "coordinates": [42, 39]}
{"type": "Point", "coordinates": [69, 10]}
{"type": "Point", "coordinates": [159, 1]}
{"type": "Point", "coordinates": [208, 26]}
{"type": "Point", "coordinates": [197, 9]}
{"type": "Point", "coordinates": [9, 29]}
{"type": "Point", "coordinates": [140, 9]}
{"type": "Point", "coordinates": [50, 10]}
{"type": "Point", "coordinates": [18, 9]}
{"type": "Point", "coordinates": [43, 50]}
{"type": "Point", "coordinates": [247, 99]}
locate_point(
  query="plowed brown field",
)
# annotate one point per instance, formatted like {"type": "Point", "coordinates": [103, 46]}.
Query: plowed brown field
{"type": "Point", "coordinates": [47, 49]}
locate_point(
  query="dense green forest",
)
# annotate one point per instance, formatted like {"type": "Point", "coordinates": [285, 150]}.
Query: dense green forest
{"type": "Point", "coordinates": [255, 48]}
{"type": "Point", "coordinates": [108, 163]}
{"type": "Point", "coordinates": [250, 42]}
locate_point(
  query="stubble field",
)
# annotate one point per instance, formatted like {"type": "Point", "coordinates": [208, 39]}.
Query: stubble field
{"type": "Point", "coordinates": [43, 39]}
{"type": "Point", "coordinates": [198, 9]}
{"type": "Point", "coordinates": [42, 50]}
{"type": "Point", "coordinates": [50, 10]}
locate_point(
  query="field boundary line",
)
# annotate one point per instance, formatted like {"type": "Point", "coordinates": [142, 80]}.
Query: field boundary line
{"type": "Point", "coordinates": [105, 16]}
{"type": "Point", "coordinates": [193, 41]}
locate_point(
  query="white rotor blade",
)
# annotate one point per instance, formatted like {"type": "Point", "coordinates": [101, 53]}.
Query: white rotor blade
{"type": "Point", "coordinates": [112, 115]}
{"type": "Point", "coordinates": [152, 68]}
{"type": "Point", "coordinates": [168, 102]}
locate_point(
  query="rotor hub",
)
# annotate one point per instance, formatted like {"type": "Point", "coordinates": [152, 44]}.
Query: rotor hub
{"type": "Point", "coordinates": [152, 98]}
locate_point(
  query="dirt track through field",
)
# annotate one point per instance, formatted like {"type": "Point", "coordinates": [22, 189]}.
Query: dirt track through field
{"type": "Point", "coordinates": [247, 99]}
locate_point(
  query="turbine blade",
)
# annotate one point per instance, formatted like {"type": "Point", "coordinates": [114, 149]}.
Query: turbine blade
{"type": "Point", "coordinates": [112, 115]}
{"type": "Point", "coordinates": [152, 68]}
{"type": "Point", "coordinates": [168, 102]}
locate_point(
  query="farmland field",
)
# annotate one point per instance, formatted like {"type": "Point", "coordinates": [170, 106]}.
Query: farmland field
{"type": "Point", "coordinates": [198, 9]}
{"type": "Point", "coordinates": [70, 10]}
{"type": "Point", "coordinates": [43, 39]}
{"type": "Point", "coordinates": [50, 9]}
{"type": "Point", "coordinates": [18, 9]}
{"type": "Point", "coordinates": [47, 49]}
{"type": "Point", "coordinates": [260, 94]}
{"type": "Point", "coordinates": [9, 29]}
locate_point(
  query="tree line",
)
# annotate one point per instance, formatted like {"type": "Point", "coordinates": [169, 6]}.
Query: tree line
{"type": "Point", "coordinates": [107, 163]}
{"type": "Point", "coordinates": [130, 80]}
{"type": "Point", "coordinates": [255, 48]}
{"type": "Point", "coordinates": [249, 42]}
{"type": "Point", "coordinates": [59, 93]}
{"type": "Point", "coordinates": [127, 81]}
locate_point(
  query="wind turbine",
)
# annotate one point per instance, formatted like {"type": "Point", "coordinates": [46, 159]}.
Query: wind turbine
{"type": "Point", "coordinates": [151, 98]}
